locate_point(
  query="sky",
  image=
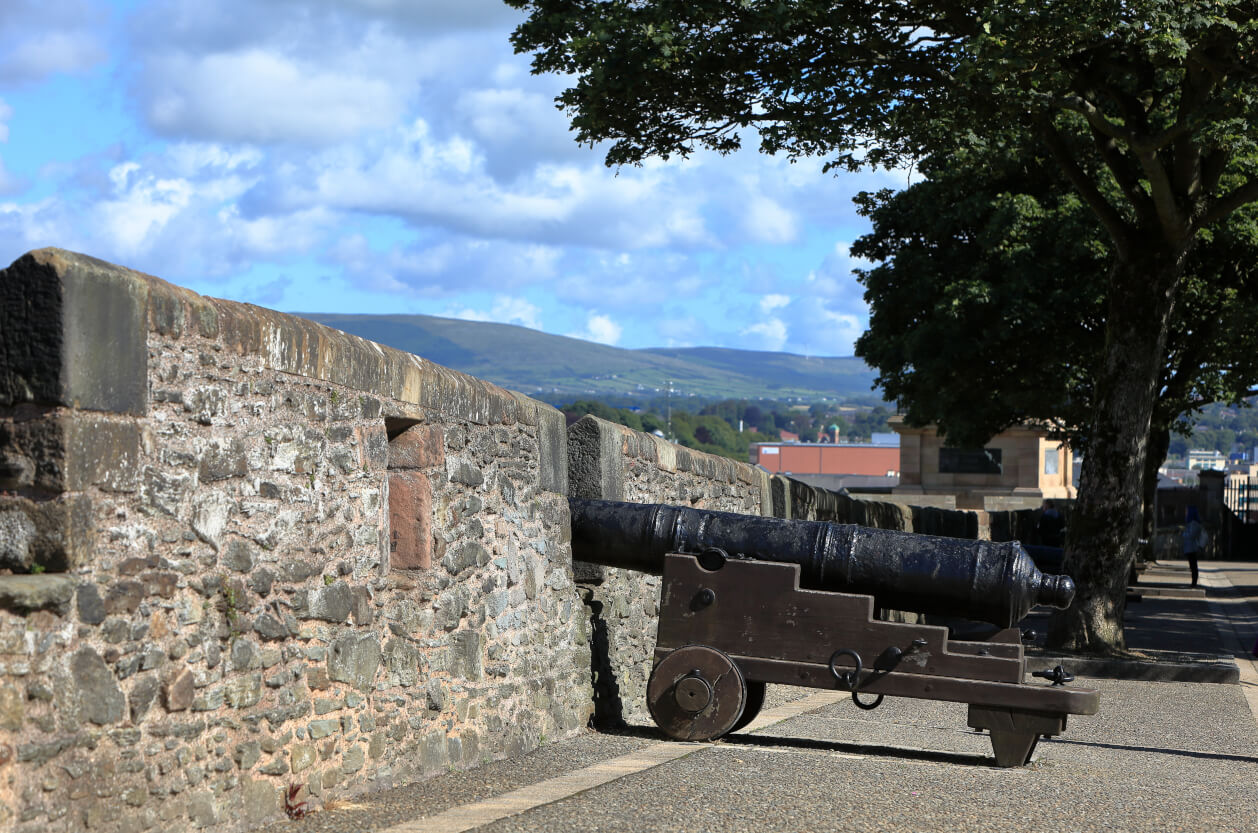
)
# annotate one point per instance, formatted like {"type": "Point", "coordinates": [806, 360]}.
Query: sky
{"type": "Point", "coordinates": [396, 156]}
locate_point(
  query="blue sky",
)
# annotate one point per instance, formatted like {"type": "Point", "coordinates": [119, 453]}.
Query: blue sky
{"type": "Point", "coordinates": [395, 156]}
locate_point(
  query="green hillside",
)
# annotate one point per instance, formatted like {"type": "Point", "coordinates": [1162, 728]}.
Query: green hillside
{"type": "Point", "coordinates": [558, 369]}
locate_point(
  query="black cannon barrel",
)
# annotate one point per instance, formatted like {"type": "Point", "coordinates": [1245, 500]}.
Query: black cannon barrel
{"type": "Point", "coordinates": [980, 580]}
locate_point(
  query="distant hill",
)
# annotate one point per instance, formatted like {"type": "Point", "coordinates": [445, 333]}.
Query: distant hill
{"type": "Point", "coordinates": [558, 369]}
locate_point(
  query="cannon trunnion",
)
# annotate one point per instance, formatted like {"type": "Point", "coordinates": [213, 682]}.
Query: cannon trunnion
{"type": "Point", "coordinates": [726, 632]}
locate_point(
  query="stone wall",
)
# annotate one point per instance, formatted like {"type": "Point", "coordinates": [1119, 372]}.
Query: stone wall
{"type": "Point", "coordinates": [240, 551]}
{"type": "Point", "coordinates": [611, 462]}
{"type": "Point", "coordinates": [795, 499]}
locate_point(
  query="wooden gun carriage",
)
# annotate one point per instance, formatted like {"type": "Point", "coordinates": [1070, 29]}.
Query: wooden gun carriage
{"type": "Point", "coordinates": [734, 617]}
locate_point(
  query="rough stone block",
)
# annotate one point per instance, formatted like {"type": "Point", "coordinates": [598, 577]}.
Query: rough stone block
{"type": "Point", "coordinates": [402, 661]}
{"type": "Point", "coordinates": [467, 474]}
{"type": "Point", "coordinates": [418, 447]}
{"type": "Point", "coordinates": [11, 712]}
{"type": "Point", "coordinates": [595, 460]}
{"type": "Point", "coordinates": [57, 534]}
{"type": "Point", "coordinates": [331, 603]}
{"type": "Point", "coordinates": [99, 698]}
{"type": "Point", "coordinates": [467, 660]}
{"type": "Point", "coordinates": [301, 757]}
{"type": "Point", "coordinates": [552, 441]}
{"type": "Point", "coordinates": [143, 693]}
{"type": "Point", "coordinates": [203, 810]}
{"type": "Point", "coordinates": [260, 801]}
{"type": "Point", "coordinates": [73, 331]}
{"type": "Point", "coordinates": [179, 692]}
{"type": "Point", "coordinates": [410, 521]}
{"type": "Point", "coordinates": [354, 658]}
{"type": "Point", "coordinates": [28, 593]}
{"type": "Point", "coordinates": [60, 450]}
{"type": "Point", "coordinates": [223, 459]}
{"type": "Point", "coordinates": [124, 597]}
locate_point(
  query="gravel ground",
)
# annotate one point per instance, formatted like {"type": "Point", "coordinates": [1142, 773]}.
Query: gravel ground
{"type": "Point", "coordinates": [380, 810]}
{"type": "Point", "coordinates": [1159, 757]}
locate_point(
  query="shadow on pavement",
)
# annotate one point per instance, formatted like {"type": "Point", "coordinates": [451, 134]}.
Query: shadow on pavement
{"type": "Point", "coordinates": [1187, 753]}
{"type": "Point", "coordinates": [872, 750]}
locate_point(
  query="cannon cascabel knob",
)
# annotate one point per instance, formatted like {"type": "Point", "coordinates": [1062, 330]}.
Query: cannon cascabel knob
{"type": "Point", "coordinates": [1056, 591]}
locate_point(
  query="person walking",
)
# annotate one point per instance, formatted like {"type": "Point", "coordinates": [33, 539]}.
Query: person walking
{"type": "Point", "coordinates": [1195, 540]}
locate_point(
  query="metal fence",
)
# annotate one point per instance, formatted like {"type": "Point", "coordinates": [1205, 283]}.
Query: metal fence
{"type": "Point", "coordinates": [1241, 496]}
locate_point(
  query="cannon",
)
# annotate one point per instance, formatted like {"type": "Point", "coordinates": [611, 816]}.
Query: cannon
{"type": "Point", "coordinates": [749, 600]}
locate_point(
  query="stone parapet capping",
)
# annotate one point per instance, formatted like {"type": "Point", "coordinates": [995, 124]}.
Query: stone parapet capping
{"type": "Point", "coordinates": [73, 332]}
{"type": "Point", "coordinates": [795, 499]}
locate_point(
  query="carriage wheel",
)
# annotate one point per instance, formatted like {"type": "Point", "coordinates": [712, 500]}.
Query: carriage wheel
{"type": "Point", "coordinates": [696, 693]}
{"type": "Point", "coordinates": [755, 702]}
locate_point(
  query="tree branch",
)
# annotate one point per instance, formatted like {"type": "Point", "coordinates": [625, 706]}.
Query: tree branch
{"type": "Point", "coordinates": [1175, 225]}
{"type": "Point", "coordinates": [1127, 180]}
{"type": "Point", "coordinates": [1097, 119]}
{"type": "Point", "coordinates": [1118, 228]}
{"type": "Point", "coordinates": [1225, 205]}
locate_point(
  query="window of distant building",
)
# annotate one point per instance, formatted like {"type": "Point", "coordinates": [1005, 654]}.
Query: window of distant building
{"type": "Point", "coordinates": [1050, 460]}
{"type": "Point", "coordinates": [970, 461]}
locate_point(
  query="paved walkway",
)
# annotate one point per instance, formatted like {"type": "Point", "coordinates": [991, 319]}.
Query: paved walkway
{"type": "Point", "coordinates": [1160, 756]}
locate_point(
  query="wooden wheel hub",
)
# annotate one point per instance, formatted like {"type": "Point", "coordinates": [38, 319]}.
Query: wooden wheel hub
{"type": "Point", "coordinates": [696, 693]}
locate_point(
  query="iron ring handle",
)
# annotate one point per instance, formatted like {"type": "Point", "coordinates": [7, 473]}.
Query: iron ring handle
{"type": "Point", "coordinates": [851, 679]}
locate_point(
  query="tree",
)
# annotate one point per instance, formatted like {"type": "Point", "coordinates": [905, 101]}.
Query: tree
{"type": "Point", "coordinates": [989, 296]}
{"type": "Point", "coordinates": [1163, 93]}
{"type": "Point", "coordinates": [987, 302]}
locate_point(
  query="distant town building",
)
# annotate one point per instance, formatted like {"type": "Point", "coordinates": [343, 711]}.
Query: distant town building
{"type": "Point", "coordinates": [1207, 459]}
{"type": "Point", "coordinates": [1019, 467]}
{"type": "Point", "coordinates": [834, 465]}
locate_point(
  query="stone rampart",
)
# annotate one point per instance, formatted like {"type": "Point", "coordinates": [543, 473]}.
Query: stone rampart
{"type": "Point", "coordinates": [241, 551]}
{"type": "Point", "coordinates": [611, 462]}
{"type": "Point", "coordinates": [796, 499]}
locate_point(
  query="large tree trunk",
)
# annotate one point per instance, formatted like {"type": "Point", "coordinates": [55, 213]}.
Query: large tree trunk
{"type": "Point", "coordinates": [1159, 444]}
{"type": "Point", "coordinates": [1106, 521]}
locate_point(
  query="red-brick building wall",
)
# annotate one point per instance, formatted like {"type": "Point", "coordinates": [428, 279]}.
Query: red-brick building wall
{"type": "Point", "coordinates": [827, 458]}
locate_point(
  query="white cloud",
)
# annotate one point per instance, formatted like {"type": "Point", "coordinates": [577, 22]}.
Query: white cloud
{"type": "Point", "coordinates": [445, 183]}
{"type": "Point", "coordinates": [258, 96]}
{"type": "Point", "coordinates": [769, 334]}
{"type": "Point", "coordinates": [684, 331]}
{"type": "Point", "coordinates": [835, 282]}
{"type": "Point", "coordinates": [400, 149]}
{"type": "Point", "coordinates": [771, 302]}
{"type": "Point", "coordinates": [767, 221]}
{"type": "Point", "coordinates": [506, 310]}
{"type": "Point", "coordinates": [142, 206]}
{"type": "Point", "coordinates": [39, 38]}
{"type": "Point", "coordinates": [599, 328]}
{"type": "Point", "coordinates": [51, 52]}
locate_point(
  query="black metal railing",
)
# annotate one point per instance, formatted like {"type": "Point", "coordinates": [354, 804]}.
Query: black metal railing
{"type": "Point", "coordinates": [1241, 496]}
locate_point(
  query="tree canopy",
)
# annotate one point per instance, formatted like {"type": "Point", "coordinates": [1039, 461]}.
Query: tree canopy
{"type": "Point", "coordinates": [1145, 108]}
{"type": "Point", "coordinates": [988, 296]}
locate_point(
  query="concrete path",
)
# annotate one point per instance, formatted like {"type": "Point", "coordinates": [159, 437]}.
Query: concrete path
{"type": "Point", "coordinates": [1160, 756]}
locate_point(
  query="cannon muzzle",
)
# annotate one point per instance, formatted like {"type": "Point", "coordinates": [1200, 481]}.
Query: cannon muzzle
{"type": "Point", "coordinates": [980, 580]}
